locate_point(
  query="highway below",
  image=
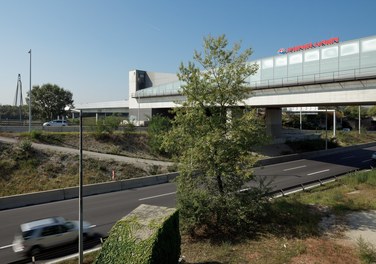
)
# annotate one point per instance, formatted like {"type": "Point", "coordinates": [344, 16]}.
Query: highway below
{"type": "Point", "coordinates": [104, 210]}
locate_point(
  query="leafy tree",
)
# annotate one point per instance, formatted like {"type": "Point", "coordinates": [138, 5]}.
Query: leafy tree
{"type": "Point", "coordinates": [13, 112]}
{"type": "Point", "coordinates": [372, 111]}
{"type": "Point", "coordinates": [49, 101]}
{"type": "Point", "coordinates": [352, 112]}
{"type": "Point", "coordinates": [212, 138]}
{"type": "Point", "coordinates": [158, 125]}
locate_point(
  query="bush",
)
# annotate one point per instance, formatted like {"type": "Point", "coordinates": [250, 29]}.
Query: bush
{"type": "Point", "coordinates": [367, 252]}
{"type": "Point", "coordinates": [25, 145]}
{"type": "Point", "coordinates": [128, 128]}
{"type": "Point", "coordinates": [158, 125]}
{"type": "Point", "coordinates": [6, 167]}
{"type": "Point", "coordinates": [36, 134]}
{"type": "Point", "coordinates": [108, 124]}
{"type": "Point", "coordinates": [218, 216]}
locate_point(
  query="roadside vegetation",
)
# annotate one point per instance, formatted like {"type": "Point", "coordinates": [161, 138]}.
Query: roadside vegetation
{"type": "Point", "coordinates": [25, 169]}
{"type": "Point", "coordinates": [293, 231]}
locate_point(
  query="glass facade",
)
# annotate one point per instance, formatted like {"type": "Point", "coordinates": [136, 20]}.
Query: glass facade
{"type": "Point", "coordinates": [349, 59]}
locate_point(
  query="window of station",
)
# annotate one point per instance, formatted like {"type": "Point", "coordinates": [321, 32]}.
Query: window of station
{"type": "Point", "coordinates": [311, 65]}
{"type": "Point", "coordinates": [267, 70]}
{"type": "Point", "coordinates": [329, 63]}
{"type": "Point", "coordinates": [295, 70]}
{"type": "Point", "coordinates": [368, 54]}
{"type": "Point", "coordinates": [349, 59]}
{"type": "Point", "coordinates": [280, 69]}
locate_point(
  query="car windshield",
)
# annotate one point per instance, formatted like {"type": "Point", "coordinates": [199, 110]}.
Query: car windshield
{"type": "Point", "coordinates": [27, 234]}
{"type": "Point", "coordinates": [69, 225]}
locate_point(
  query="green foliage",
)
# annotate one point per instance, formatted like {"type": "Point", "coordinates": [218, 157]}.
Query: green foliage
{"type": "Point", "coordinates": [49, 101]}
{"type": "Point", "coordinates": [362, 177]}
{"type": "Point", "coordinates": [159, 242]}
{"type": "Point", "coordinates": [367, 252]}
{"type": "Point", "coordinates": [25, 145]}
{"type": "Point", "coordinates": [7, 166]}
{"type": "Point", "coordinates": [352, 112]}
{"type": "Point", "coordinates": [108, 124]}
{"type": "Point", "coordinates": [212, 139]}
{"type": "Point", "coordinates": [372, 111]}
{"type": "Point", "coordinates": [158, 126]}
{"type": "Point", "coordinates": [128, 128]}
{"type": "Point", "coordinates": [36, 134]}
{"type": "Point", "coordinates": [9, 112]}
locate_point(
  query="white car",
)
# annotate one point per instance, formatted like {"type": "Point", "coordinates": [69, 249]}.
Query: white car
{"type": "Point", "coordinates": [56, 123]}
{"type": "Point", "coordinates": [33, 237]}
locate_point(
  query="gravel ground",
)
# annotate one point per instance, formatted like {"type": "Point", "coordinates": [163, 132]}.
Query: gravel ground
{"type": "Point", "coordinates": [361, 224]}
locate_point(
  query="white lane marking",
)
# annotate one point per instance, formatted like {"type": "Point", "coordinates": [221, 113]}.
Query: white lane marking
{"type": "Point", "coordinates": [156, 196]}
{"type": "Point", "coordinates": [7, 246]}
{"type": "Point", "coordinates": [364, 161]}
{"type": "Point", "coordinates": [295, 168]}
{"type": "Point", "coordinates": [317, 172]}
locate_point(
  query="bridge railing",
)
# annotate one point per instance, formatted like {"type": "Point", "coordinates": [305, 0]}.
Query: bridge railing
{"type": "Point", "coordinates": [173, 89]}
{"type": "Point", "coordinates": [336, 76]}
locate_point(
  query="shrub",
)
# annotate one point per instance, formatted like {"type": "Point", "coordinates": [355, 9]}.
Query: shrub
{"type": "Point", "coordinates": [367, 252]}
{"type": "Point", "coordinates": [6, 167]}
{"type": "Point", "coordinates": [25, 145]}
{"type": "Point", "coordinates": [108, 124]}
{"type": "Point", "coordinates": [36, 134]}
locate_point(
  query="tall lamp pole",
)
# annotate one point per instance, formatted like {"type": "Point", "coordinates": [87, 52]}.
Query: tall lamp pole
{"type": "Point", "coordinates": [80, 196]}
{"type": "Point", "coordinates": [30, 95]}
{"type": "Point", "coordinates": [80, 216]}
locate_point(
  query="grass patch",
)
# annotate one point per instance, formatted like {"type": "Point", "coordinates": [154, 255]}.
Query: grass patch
{"type": "Point", "coordinates": [367, 251]}
{"type": "Point", "coordinates": [353, 192]}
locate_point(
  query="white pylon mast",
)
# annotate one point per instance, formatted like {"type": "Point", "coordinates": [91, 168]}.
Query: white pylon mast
{"type": "Point", "coordinates": [19, 94]}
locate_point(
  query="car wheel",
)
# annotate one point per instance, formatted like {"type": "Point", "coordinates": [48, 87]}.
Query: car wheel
{"type": "Point", "coordinates": [35, 251]}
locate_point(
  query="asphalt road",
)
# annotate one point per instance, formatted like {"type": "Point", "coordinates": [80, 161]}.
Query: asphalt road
{"type": "Point", "coordinates": [287, 175]}
{"type": "Point", "coordinates": [104, 210]}
{"type": "Point", "coordinates": [101, 210]}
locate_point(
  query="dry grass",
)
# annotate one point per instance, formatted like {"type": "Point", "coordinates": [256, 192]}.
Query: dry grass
{"type": "Point", "coordinates": [36, 170]}
{"type": "Point", "coordinates": [271, 250]}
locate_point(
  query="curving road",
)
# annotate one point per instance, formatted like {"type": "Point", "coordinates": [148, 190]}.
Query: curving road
{"type": "Point", "coordinates": [104, 210]}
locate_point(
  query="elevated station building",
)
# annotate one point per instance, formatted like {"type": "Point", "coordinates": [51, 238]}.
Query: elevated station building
{"type": "Point", "coordinates": [323, 73]}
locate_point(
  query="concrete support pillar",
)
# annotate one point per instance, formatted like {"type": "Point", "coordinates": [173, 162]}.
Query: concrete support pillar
{"type": "Point", "coordinates": [273, 120]}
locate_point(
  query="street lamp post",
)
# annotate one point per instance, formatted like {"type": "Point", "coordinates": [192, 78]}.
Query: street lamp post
{"type": "Point", "coordinates": [80, 196]}
{"type": "Point", "coordinates": [30, 95]}
{"type": "Point", "coordinates": [80, 215]}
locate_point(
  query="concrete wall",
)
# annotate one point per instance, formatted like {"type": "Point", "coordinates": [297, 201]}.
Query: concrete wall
{"type": "Point", "coordinates": [14, 201]}
{"type": "Point", "coordinates": [273, 120]}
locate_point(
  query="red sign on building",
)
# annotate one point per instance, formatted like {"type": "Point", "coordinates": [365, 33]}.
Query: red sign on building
{"type": "Point", "coordinates": [309, 46]}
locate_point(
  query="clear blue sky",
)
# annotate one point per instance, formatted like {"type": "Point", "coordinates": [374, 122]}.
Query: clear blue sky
{"type": "Point", "coordinates": [89, 46]}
